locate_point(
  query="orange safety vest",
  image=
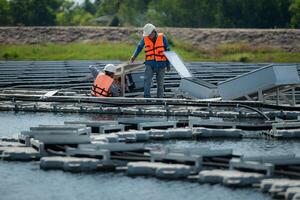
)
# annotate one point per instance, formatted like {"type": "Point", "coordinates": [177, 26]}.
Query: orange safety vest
{"type": "Point", "coordinates": [101, 86]}
{"type": "Point", "coordinates": [155, 51]}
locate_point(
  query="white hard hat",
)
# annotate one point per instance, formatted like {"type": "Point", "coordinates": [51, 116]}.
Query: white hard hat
{"type": "Point", "coordinates": [110, 68]}
{"type": "Point", "coordinates": [148, 28]}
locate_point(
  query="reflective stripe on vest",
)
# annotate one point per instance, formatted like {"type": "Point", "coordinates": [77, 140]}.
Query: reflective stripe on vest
{"type": "Point", "coordinates": [101, 86]}
{"type": "Point", "coordinates": [155, 51]}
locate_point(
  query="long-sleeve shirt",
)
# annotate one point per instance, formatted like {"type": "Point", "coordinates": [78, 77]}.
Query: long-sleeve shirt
{"type": "Point", "coordinates": [155, 63]}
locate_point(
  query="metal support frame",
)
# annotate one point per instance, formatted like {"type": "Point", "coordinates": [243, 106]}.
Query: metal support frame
{"type": "Point", "coordinates": [278, 92]}
{"type": "Point", "coordinates": [178, 157]}
{"type": "Point", "coordinates": [251, 165]}
{"type": "Point", "coordinates": [260, 95]}
{"type": "Point", "coordinates": [111, 128]}
{"type": "Point", "coordinates": [193, 122]}
{"type": "Point", "coordinates": [122, 82]}
{"type": "Point", "coordinates": [291, 125]}
{"type": "Point", "coordinates": [123, 69]}
{"type": "Point", "coordinates": [277, 96]}
{"type": "Point", "coordinates": [171, 124]}
{"type": "Point", "coordinates": [293, 97]}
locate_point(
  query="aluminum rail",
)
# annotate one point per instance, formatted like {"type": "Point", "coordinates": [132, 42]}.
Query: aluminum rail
{"type": "Point", "coordinates": [124, 101]}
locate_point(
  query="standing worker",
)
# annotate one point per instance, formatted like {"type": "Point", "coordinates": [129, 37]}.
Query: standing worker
{"type": "Point", "coordinates": [104, 84]}
{"type": "Point", "coordinates": [155, 61]}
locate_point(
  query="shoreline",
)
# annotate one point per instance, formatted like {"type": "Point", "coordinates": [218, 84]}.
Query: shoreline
{"type": "Point", "coordinates": [287, 40]}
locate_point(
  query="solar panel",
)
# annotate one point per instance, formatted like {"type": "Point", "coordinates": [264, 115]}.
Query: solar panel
{"type": "Point", "coordinates": [178, 64]}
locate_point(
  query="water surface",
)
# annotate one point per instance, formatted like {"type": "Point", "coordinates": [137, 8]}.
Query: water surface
{"type": "Point", "coordinates": [22, 181]}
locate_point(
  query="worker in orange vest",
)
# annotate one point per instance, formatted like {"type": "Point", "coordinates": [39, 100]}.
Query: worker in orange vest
{"type": "Point", "coordinates": [104, 84]}
{"type": "Point", "coordinates": [155, 61]}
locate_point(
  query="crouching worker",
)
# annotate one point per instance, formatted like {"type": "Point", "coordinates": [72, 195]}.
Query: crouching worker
{"type": "Point", "coordinates": [104, 84]}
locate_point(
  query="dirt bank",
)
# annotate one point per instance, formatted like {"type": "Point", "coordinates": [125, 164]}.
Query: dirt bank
{"type": "Point", "coordinates": [285, 39]}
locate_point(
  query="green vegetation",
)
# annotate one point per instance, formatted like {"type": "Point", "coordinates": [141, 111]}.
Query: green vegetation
{"type": "Point", "coordinates": [76, 51]}
{"type": "Point", "coordinates": [295, 10]}
{"type": "Point", "coordinates": [241, 52]}
{"type": "Point", "coordinates": [170, 13]}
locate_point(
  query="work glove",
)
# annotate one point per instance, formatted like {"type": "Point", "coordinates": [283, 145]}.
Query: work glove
{"type": "Point", "coordinates": [132, 59]}
{"type": "Point", "coordinates": [168, 68]}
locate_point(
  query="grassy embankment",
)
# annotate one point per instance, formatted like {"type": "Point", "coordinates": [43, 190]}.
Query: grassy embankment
{"type": "Point", "coordinates": [241, 52]}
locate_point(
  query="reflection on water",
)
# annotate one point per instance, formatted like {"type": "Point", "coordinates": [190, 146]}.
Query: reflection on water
{"type": "Point", "coordinates": [248, 147]}
{"type": "Point", "coordinates": [12, 123]}
{"type": "Point", "coordinates": [25, 181]}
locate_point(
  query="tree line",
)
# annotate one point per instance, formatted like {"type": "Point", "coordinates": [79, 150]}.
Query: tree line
{"type": "Point", "coordinates": [169, 13]}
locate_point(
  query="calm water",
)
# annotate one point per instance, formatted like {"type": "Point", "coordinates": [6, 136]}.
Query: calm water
{"type": "Point", "coordinates": [12, 123]}
{"type": "Point", "coordinates": [26, 181]}
{"type": "Point", "coordinates": [20, 181]}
